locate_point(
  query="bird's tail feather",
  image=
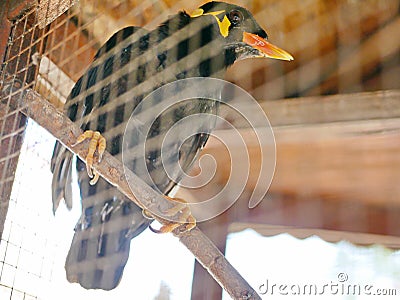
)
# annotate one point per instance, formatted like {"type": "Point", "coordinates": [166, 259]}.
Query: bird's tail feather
{"type": "Point", "coordinates": [61, 167]}
{"type": "Point", "coordinates": [97, 258]}
{"type": "Point", "coordinates": [100, 246]}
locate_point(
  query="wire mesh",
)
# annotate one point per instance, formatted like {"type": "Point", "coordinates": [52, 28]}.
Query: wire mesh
{"type": "Point", "coordinates": [17, 71]}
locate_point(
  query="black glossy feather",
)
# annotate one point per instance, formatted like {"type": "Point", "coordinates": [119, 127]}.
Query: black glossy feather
{"type": "Point", "coordinates": [128, 67]}
{"type": "Point", "coordinates": [95, 241]}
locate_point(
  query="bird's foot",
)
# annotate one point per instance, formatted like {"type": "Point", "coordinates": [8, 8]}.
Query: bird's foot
{"type": "Point", "coordinates": [97, 141]}
{"type": "Point", "coordinates": [180, 211]}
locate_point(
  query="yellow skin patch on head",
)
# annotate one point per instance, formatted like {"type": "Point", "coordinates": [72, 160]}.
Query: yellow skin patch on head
{"type": "Point", "coordinates": [223, 25]}
{"type": "Point", "coordinates": [196, 13]}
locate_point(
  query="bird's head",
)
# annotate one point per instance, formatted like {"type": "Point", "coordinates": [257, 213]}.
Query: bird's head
{"type": "Point", "coordinates": [243, 36]}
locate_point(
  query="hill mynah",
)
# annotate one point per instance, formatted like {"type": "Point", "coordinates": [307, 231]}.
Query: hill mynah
{"type": "Point", "coordinates": [130, 65]}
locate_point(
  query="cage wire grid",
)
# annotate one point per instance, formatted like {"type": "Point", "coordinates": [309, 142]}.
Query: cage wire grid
{"type": "Point", "coordinates": [17, 72]}
{"type": "Point", "coordinates": [29, 55]}
{"type": "Point", "coordinates": [50, 56]}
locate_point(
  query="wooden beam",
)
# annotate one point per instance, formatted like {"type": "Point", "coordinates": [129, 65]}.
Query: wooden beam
{"type": "Point", "coordinates": [344, 147]}
{"type": "Point", "coordinates": [324, 213]}
{"type": "Point", "coordinates": [216, 230]}
{"type": "Point", "coordinates": [332, 109]}
{"type": "Point", "coordinates": [331, 236]}
{"type": "Point", "coordinates": [52, 83]}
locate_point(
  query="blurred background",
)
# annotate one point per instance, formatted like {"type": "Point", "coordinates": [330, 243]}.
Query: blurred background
{"type": "Point", "coordinates": [335, 112]}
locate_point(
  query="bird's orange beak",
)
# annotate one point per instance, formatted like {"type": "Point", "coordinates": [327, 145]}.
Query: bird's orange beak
{"type": "Point", "coordinates": [266, 48]}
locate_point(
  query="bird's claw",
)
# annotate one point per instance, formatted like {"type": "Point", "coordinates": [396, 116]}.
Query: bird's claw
{"type": "Point", "coordinates": [97, 141]}
{"type": "Point", "coordinates": [180, 210]}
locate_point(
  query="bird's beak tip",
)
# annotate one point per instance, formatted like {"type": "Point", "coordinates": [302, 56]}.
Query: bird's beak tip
{"type": "Point", "coordinates": [266, 48]}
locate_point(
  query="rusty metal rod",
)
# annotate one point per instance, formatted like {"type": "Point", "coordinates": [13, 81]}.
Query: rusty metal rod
{"type": "Point", "coordinates": [207, 254]}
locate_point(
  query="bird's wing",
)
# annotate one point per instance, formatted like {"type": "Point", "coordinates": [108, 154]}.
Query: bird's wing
{"type": "Point", "coordinates": [177, 157]}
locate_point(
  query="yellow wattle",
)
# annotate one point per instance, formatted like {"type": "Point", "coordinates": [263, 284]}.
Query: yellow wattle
{"type": "Point", "coordinates": [223, 25]}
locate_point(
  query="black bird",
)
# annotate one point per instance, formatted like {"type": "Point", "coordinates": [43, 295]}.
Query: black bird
{"type": "Point", "coordinates": [130, 65]}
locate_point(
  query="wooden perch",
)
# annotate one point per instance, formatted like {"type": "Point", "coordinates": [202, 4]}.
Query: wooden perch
{"type": "Point", "coordinates": [59, 125]}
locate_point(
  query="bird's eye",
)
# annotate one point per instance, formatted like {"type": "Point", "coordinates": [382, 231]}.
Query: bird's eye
{"type": "Point", "coordinates": [236, 17]}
